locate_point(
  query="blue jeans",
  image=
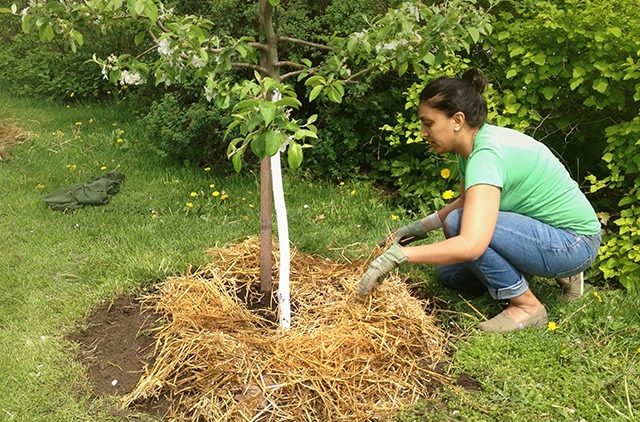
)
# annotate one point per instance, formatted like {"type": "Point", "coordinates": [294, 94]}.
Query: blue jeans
{"type": "Point", "coordinates": [520, 245]}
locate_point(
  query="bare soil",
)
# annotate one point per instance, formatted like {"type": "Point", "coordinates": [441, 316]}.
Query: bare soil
{"type": "Point", "coordinates": [115, 346]}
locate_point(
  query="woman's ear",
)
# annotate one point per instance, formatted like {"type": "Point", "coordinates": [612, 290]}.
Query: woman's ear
{"type": "Point", "coordinates": [458, 121]}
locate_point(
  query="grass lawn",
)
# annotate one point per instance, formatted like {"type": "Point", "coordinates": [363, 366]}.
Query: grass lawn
{"type": "Point", "coordinates": [55, 268]}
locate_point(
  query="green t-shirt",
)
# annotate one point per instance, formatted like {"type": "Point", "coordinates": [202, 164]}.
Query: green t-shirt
{"type": "Point", "coordinates": [532, 180]}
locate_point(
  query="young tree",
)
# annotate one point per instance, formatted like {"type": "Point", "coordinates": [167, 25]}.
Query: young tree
{"type": "Point", "coordinates": [412, 37]}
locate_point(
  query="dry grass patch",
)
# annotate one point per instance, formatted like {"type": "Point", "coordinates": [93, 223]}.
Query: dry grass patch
{"type": "Point", "coordinates": [11, 135]}
{"type": "Point", "coordinates": [221, 357]}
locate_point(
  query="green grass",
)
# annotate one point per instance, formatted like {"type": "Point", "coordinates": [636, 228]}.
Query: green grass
{"type": "Point", "coordinates": [55, 267]}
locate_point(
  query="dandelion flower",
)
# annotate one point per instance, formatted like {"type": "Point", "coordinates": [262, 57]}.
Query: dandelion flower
{"type": "Point", "coordinates": [91, 120]}
{"type": "Point", "coordinates": [193, 194]}
{"type": "Point", "coordinates": [597, 296]}
{"type": "Point", "coordinates": [445, 173]}
{"type": "Point", "coordinates": [207, 169]}
{"type": "Point", "coordinates": [119, 140]}
{"type": "Point", "coordinates": [552, 326]}
{"type": "Point", "coordinates": [394, 217]}
{"type": "Point", "coordinates": [78, 123]}
{"type": "Point", "coordinates": [251, 206]}
{"type": "Point", "coordinates": [341, 183]}
{"type": "Point", "coordinates": [189, 204]}
{"type": "Point", "coordinates": [353, 192]}
{"type": "Point", "coordinates": [223, 196]}
{"type": "Point", "coordinates": [448, 194]}
{"type": "Point", "coordinates": [103, 168]}
{"type": "Point", "coordinates": [71, 167]}
{"type": "Point", "coordinates": [212, 185]}
{"type": "Point", "coordinates": [39, 186]}
{"type": "Point", "coordinates": [215, 193]}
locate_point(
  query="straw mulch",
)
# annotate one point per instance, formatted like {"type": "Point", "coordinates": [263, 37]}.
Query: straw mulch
{"type": "Point", "coordinates": [344, 358]}
{"type": "Point", "coordinates": [10, 135]}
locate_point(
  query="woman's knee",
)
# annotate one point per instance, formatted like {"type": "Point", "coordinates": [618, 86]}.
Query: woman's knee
{"type": "Point", "coordinates": [451, 224]}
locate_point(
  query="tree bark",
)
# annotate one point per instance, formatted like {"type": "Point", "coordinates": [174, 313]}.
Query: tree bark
{"type": "Point", "coordinates": [268, 61]}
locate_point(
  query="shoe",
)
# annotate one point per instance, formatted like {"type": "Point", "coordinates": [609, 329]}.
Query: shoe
{"type": "Point", "coordinates": [572, 287]}
{"type": "Point", "coordinates": [503, 323]}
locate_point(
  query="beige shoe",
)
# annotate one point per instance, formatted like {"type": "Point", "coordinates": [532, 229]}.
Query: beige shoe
{"type": "Point", "coordinates": [572, 287]}
{"type": "Point", "coordinates": [503, 323]}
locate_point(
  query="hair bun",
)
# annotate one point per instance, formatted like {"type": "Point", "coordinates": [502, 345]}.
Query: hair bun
{"type": "Point", "coordinates": [476, 78]}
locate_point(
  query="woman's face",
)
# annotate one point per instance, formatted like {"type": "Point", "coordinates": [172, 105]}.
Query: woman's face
{"type": "Point", "coordinates": [437, 128]}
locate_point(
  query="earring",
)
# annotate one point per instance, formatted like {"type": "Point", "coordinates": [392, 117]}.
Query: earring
{"type": "Point", "coordinates": [456, 129]}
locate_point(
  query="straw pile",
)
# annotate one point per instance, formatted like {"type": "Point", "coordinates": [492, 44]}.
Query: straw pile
{"type": "Point", "coordinates": [344, 358]}
{"type": "Point", "coordinates": [10, 135]}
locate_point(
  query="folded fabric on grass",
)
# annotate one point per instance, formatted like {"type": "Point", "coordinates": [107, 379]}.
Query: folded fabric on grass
{"type": "Point", "coordinates": [97, 191]}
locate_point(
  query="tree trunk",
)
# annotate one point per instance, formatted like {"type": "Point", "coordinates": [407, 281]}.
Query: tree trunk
{"type": "Point", "coordinates": [268, 60]}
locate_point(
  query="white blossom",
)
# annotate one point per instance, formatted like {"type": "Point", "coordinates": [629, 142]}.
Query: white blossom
{"type": "Point", "coordinates": [197, 62]}
{"type": "Point", "coordinates": [208, 93]}
{"type": "Point", "coordinates": [130, 78]}
{"type": "Point", "coordinates": [389, 46]}
{"type": "Point", "coordinates": [358, 35]}
{"type": "Point", "coordinates": [412, 9]}
{"type": "Point", "coordinates": [164, 47]}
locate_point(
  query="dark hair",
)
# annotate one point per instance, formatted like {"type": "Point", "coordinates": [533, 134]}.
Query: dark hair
{"type": "Point", "coordinates": [451, 95]}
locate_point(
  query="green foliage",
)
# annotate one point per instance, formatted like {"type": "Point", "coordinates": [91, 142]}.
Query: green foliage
{"type": "Point", "coordinates": [620, 253]}
{"type": "Point", "coordinates": [186, 131]}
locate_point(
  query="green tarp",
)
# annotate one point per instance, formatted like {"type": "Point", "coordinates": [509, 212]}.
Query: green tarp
{"type": "Point", "coordinates": [97, 191]}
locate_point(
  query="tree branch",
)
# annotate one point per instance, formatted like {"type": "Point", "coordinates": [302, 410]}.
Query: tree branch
{"type": "Point", "coordinates": [251, 66]}
{"type": "Point", "coordinates": [306, 43]}
{"type": "Point", "coordinates": [297, 72]}
{"type": "Point", "coordinates": [352, 78]}
{"type": "Point", "coordinates": [291, 64]}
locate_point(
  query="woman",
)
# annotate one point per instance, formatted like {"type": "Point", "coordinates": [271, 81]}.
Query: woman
{"type": "Point", "coordinates": [519, 212]}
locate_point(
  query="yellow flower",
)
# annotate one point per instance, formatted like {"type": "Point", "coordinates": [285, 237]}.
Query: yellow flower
{"type": "Point", "coordinates": [193, 194]}
{"type": "Point", "coordinates": [103, 168]}
{"type": "Point", "coordinates": [207, 169]}
{"type": "Point", "coordinates": [341, 183]}
{"type": "Point", "coordinates": [212, 185]}
{"type": "Point", "coordinates": [638, 350]}
{"type": "Point", "coordinates": [39, 186]}
{"type": "Point", "coordinates": [552, 326]}
{"type": "Point", "coordinates": [445, 173]}
{"type": "Point", "coordinates": [394, 217]}
{"type": "Point", "coordinates": [71, 167]}
{"type": "Point", "coordinates": [597, 296]}
{"type": "Point", "coordinates": [215, 193]}
{"type": "Point", "coordinates": [353, 192]}
{"type": "Point", "coordinates": [72, 94]}
{"type": "Point", "coordinates": [448, 194]}
{"type": "Point", "coordinates": [119, 140]}
{"type": "Point", "coordinates": [91, 120]}
{"type": "Point", "coordinates": [78, 123]}
{"type": "Point", "coordinates": [189, 204]}
{"type": "Point", "coordinates": [251, 206]}
{"type": "Point", "coordinates": [223, 196]}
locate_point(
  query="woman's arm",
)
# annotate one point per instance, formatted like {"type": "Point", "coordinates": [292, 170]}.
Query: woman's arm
{"type": "Point", "coordinates": [480, 204]}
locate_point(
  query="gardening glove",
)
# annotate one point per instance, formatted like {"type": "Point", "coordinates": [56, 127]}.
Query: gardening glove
{"type": "Point", "coordinates": [414, 231]}
{"type": "Point", "coordinates": [379, 268]}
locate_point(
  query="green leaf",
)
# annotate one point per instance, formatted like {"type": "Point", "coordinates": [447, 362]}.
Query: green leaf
{"type": "Point", "coordinates": [268, 111]}
{"type": "Point", "coordinates": [600, 85]}
{"type": "Point", "coordinates": [305, 133]}
{"type": "Point", "coordinates": [475, 34]}
{"type": "Point", "coordinates": [46, 32]}
{"type": "Point", "coordinates": [294, 155]}
{"type": "Point", "coordinates": [402, 68]}
{"type": "Point", "coordinates": [511, 73]}
{"type": "Point", "coordinates": [516, 50]}
{"type": "Point", "coordinates": [312, 119]}
{"type": "Point", "coordinates": [274, 3]}
{"type": "Point", "coordinates": [549, 92]}
{"type": "Point", "coordinates": [607, 157]}
{"type": "Point", "coordinates": [503, 35]}
{"type": "Point", "coordinates": [77, 36]}
{"type": "Point", "coordinates": [272, 141]}
{"type": "Point", "coordinates": [539, 59]}
{"type": "Point", "coordinates": [236, 160]}
{"type": "Point", "coordinates": [151, 11]}
{"type": "Point", "coordinates": [288, 102]}
{"type": "Point", "coordinates": [139, 38]}
{"type": "Point", "coordinates": [5, 10]}
{"type": "Point", "coordinates": [258, 146]}
{"type": "Point", "coordinates": [429, 58]}
{"type": "Point", "coordinates": [315, 92]}
{"type": "Point", "coordinates": [315, 80]}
